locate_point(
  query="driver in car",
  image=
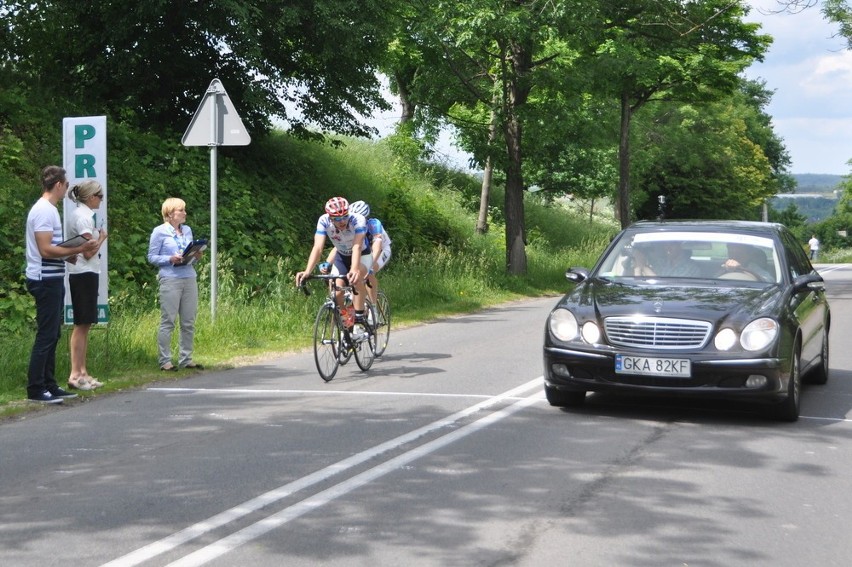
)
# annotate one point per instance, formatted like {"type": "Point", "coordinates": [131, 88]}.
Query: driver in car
{"type": "Point", "coordinates": [745, 258]}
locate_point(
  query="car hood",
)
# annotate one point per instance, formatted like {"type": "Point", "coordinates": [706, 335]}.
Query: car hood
{"type": "Point", "coordinates": [694, 301]}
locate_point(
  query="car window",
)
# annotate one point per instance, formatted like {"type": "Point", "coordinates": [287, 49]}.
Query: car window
{"type": "Point", "coordinates": [797, 261]}
{"type": "Point", "coordinates": [684, 254]}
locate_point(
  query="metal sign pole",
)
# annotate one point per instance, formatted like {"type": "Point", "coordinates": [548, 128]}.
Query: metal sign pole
{"type": "Point", "coordinates": [224, 128]}
{"type": "Point", "coordinates": [214, 272]}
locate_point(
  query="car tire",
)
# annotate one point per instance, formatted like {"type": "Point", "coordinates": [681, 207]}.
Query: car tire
{"type": "Point", "coordinates": [788, 410]}
{"type": "Point", "coordinates": [820, 373]}
{"type": "Point", "coordinates": [564, 399]}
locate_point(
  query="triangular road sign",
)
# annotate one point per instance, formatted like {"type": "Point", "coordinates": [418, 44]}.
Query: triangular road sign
{"type": "Point", "coordinates": [216, 122]}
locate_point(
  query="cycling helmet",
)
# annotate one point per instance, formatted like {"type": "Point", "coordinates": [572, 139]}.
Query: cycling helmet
{"type": "Point", "coordinates": [337, 207]}
{"type": "Point", "coordinates": [360, 208]}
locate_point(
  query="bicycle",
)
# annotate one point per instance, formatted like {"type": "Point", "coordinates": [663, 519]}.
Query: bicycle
{"type": "Point", "coordinates": [335, 342]}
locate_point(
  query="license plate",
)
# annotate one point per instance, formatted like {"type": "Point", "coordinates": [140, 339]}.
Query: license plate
{"type": "Point", "coordinates": [647, 366]}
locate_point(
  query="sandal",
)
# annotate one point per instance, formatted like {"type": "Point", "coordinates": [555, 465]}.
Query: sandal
{"type": "Point", "coordinates": [169, 368]}
{"type": "Point", "coordinates": [79, 383]}
{"type": "Point", "coordinates": [93, 382]}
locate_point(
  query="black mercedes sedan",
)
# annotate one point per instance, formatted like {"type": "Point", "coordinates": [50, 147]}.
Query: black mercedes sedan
{"type": "Point", "coordinates": [722, 309]}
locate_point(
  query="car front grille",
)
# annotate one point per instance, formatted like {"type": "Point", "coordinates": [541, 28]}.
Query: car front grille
{"type": "Point", "coordinates": [657, 332]}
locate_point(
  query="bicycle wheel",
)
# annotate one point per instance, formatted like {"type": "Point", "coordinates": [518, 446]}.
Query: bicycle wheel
{"type": "Point", "coordinates": [327, 342]}
{"type": "Point", "coordinates": [383, 322]}
{"type": "Point", "coordinates": [365, 345]}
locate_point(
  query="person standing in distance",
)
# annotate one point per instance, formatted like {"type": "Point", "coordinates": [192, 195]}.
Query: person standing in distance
{"type": "Point", "coordinates": [178, 284]}
{"type": "Point", "coordinates": [45, 275]}
{"type": "Point", "coordinates": [83, 279]}
{"type": "Point", "coordinates": [813, 244]}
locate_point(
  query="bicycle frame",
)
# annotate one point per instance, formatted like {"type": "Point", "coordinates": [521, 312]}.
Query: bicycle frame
{"type": "Point", "coordinates": [334, 342]}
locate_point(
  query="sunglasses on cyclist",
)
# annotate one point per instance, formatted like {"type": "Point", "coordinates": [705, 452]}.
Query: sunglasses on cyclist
{"type": "Point", "coordinates": [339, 219]}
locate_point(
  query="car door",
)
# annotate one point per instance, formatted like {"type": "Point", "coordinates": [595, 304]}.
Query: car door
{"type": "Point", "coordinates": [809, 305]}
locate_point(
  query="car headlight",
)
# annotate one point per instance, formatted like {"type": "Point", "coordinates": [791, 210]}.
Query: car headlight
{"type": "Point", "coordinates": [563, 325]}
{"type": "Point", "coordinates": [591, 333]}
{"type": "Point", "coordinates": [759, 334]}
{"type": "Point", "coordinates": [725, 339]}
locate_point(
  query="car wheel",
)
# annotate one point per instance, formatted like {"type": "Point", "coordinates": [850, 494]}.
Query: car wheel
{"type": "Point", "coordinates": [820, 373]}
{"type": "Point", "coordinates": [563, 399]}
{"type": "Point", "coordinates": [788, 410]}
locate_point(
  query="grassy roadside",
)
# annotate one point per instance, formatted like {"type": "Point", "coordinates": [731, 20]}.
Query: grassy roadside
{"type": "Point", "coordinates": [250, 326]}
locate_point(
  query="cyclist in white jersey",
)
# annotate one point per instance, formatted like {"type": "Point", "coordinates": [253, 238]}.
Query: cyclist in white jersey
{"type": "Point", "coordinates": [347, 232]}
{"type": "Point", "coordinates": [379, 243]}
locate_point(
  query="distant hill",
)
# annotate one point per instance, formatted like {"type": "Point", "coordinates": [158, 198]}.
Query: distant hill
{"type": "Point", "coordinates": [816, 182]}
{"type": "Point", "coordinates": [814, 197]}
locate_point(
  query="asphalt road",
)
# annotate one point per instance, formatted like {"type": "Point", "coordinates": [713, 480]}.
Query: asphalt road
{"type": "Point", "coordinates": [444, 453]}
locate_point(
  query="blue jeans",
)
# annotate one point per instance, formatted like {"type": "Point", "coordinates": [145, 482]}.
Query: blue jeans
{"type": "Point", "coordinates": [49, 297]}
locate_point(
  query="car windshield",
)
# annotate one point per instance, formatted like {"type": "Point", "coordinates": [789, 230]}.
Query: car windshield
{"type": "Point", "coordinates": [684, 254]}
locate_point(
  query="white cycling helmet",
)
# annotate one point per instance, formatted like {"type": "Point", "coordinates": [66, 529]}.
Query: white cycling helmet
{"type": "Point", "coordinates": [360, 208]}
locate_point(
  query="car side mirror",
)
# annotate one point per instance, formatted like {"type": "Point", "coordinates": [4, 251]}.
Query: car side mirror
{"type": "Point", "coordinates": [813, 282]}
{"type": "Point", "coordinates": [576, 275]}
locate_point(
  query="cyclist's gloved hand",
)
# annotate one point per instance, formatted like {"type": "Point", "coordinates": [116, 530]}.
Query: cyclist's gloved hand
{"type": "Point", "coordinates": [324, 267]}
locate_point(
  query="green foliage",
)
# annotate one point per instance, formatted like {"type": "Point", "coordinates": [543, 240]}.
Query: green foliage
{"type": "Point", "coordinates": [307, 62]}
{"type": "Point", "coordinates": [704, 159]}
{"type": "Point", "coordinates": [790, 217]}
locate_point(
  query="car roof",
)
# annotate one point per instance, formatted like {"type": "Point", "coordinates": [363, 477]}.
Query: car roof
{"type": "Point", "coordinates": [765, 228]}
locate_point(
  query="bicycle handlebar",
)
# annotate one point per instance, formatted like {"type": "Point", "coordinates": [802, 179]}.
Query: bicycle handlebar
{"type": "Point", "coordinates": [306, 291]}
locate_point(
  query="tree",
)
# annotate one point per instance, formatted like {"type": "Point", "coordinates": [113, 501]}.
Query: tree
{"type": "Point", "coordinates": [669, 50]}
{"type": "Point", "coordinates": [789, 217]}
{"type": "Point", "coordinates": [306, 63]}
{"type": "Point", "coordinates": [708, 160]}
{"type": "Point", "coordinates": [489, 55]}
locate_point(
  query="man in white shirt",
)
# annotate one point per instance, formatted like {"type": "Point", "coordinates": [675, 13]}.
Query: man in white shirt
{"type": "Point", "coordinates": [46, 283]}
{"type": "Point", "coordinates": [813, 244]}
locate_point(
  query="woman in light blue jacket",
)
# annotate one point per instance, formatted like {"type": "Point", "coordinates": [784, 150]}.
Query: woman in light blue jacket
{"type": "Point", "coordinates": [178, 284]}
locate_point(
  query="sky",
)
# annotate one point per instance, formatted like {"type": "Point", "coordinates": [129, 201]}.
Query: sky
{"type": "Point", "coordinates": [810, 71]}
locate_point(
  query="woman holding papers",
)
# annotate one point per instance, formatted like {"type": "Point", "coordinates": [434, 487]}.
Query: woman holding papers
{"type": "Point", "coordinates": [178, 284]}
{"type": "Point", "coordinates": [83, 279]}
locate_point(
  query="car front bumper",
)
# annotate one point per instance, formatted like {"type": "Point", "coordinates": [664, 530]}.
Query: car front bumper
{"type": "Point", "coordinates": [570, 369]}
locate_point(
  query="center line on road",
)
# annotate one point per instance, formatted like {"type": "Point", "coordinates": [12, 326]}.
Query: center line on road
{"type": "Point", "coordinates": [249, 507]}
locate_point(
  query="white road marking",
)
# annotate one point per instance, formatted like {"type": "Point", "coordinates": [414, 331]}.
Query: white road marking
{"type": "Point", "coordinates": [196, 530]}
{"type": "Point", "coordinates": [254, 531]}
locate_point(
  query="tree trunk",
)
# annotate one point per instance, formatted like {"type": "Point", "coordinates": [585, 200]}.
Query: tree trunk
{"type": "Point", "coordinates": [482, 220]}
{"type": "Point", "coordinates": [488, 174]}
{"type": "Point", "coordinates": [622, 210]}
{"type": "Point", "coordinates": [408, 106]}
{"type": "Point", "coordinates": [516, 254]}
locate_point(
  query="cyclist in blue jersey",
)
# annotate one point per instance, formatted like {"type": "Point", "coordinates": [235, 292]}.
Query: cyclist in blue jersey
{"type": "Point", "coordinates": [347, 231]}
{"type": "Point", "coordinates": [379, 243]}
